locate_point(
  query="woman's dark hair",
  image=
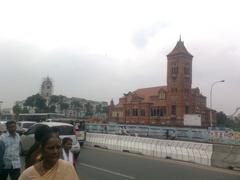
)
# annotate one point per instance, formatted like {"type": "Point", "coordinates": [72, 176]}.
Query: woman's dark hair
{"type": "Point", "coordinates": [45, 139]}
{"type": "Point", "coordinates": [66, 139]}
{"type": "Point", "coordinates": [39, 134]}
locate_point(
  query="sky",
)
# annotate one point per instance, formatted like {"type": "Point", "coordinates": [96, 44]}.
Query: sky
{"type": "Point", "coordinates": [100, 50]}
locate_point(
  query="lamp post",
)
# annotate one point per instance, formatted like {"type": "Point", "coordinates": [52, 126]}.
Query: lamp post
{"type": "Point", "coordinates": [1, 110]}
{"type": "Point", "coordinates": [211, 98]}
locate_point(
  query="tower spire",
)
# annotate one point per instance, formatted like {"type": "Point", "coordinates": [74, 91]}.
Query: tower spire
{"type": "Point", "coordinates": [179, 49]}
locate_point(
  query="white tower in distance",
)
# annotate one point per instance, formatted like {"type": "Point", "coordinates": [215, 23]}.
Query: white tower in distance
{"type": "Point", "coordinates": [46, 90]}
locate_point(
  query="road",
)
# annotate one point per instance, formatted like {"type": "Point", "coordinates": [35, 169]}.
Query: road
{"type": "Point", "coordinates": [98, 164]}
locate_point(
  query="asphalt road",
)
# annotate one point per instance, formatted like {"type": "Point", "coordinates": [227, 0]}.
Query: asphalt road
{"type": "Point", "coordinates": [98, 164]}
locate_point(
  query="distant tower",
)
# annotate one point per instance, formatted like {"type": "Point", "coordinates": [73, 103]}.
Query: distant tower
{"type": "Point", "coordinates": [46, 90]}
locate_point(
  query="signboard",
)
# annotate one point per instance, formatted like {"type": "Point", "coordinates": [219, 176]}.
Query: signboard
{"type": "Point", "coordinates": [192, 120]}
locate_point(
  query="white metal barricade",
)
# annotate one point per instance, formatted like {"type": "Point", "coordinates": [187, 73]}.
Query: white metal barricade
{"type": "Point", "coordinates": [185, 153]}
{"type": "Point", "coordinates": [178, 148]}
{"type": "Point", "coordinates": [196, 153]}
{"type": "Point", "coordinates": [200, 153]}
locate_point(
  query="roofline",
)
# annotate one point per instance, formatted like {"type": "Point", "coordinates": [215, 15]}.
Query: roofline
{"type": "Point", "coordinates": [56, 123]}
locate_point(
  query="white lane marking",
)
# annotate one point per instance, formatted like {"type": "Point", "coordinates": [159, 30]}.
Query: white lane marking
{"type": "Point", "coordinates": [108, 171]}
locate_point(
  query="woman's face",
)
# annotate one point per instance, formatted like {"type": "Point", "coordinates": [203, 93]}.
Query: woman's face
{"type": "Point", "coordinates": [51, 151]}
{"type": "Point", "coordinates": [67, 145]}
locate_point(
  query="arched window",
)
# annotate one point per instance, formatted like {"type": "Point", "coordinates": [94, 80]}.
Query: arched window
{"type": "Point", "coordinates": [174, 69]}
{"type": "Point", "coordinates": [162, 95]}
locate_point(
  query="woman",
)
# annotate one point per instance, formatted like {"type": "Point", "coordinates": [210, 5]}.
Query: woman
{"type": "Point", "coordinates": [34, 155]}
{"type": "Point", "coordinates": [67, 155]}
{"type": "Point", "coordinates": [51, 167]}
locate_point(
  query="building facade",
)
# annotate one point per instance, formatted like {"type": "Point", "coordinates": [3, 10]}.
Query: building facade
{"type": "Point", "coordinates": [164, 105]}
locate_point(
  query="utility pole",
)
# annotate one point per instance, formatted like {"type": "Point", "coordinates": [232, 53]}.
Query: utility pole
{"type": "Point", "coordinates": [211, 118]}
{"type": "Point", "coordinates": [1, 110]}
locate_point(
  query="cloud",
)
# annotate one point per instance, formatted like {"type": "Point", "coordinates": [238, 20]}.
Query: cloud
{"type": "Point", "coordinates": [213, 61]}
{"type": "Point", "coordinates": [74, 74]}
{"type": "Point", "coordinates": [141, 38]}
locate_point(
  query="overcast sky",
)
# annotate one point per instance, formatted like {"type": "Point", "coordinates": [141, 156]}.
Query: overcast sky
{"type": "Point", "coordinates": [101, 49]}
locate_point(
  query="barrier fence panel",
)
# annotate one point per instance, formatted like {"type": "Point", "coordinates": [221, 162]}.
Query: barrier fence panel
{"type": "Point", "coordinates": [134, 145]}
{"type": "Point", "coordinates": [164, 148]}
{"type": "Point", "coordinates": [189, 134]}
{"type": "Point", "coordinates": [184, 148]}
{"type": "Point", "coordinates": [173, 150]}
{"type": "Point", "coordinates": [179, 150]}
{"type": "Point", "coordinates": [200, 153]}
{"type": "Point", "coordinates": [190, 152]}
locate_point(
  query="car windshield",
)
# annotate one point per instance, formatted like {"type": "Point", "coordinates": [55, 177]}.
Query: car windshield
{"type": "Point", "coordinates": [65, 130]}
{"type": "Point", "coordinates": [27, 125]}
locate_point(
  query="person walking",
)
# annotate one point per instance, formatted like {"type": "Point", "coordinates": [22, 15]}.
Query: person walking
{"type": "Point", "coordinates": [2, 150]}
{"type": "Point", "coordinates": [11, 158]}
{"type": "Point", "coordinates": [50, 167]}
{"type": "Point", "coordinates": [67, 155]}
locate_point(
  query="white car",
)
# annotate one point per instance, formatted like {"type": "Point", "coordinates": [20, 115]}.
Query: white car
{"type": "Point", "coordinates": [3, 128]}
{"type": "Point", "coordinates": [65, 130]}
{"type": "Point", "coordinates": [23, 126]}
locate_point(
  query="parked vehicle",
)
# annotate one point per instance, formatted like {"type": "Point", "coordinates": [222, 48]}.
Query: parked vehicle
{"type": "Point", "coordinates": [79, 127]}
{"type": "Point", "coordinates": [65, 130]}
{"type": "Point", "coordinates": [80, 132]}
{"type": "Point", "coordinates": [23, 126]}
{"type": "Point", "coordinates": [3, 128]}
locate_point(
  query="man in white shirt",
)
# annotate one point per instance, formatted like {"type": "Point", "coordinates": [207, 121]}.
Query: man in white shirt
{"type": "Point", "coordinates": [11, 159]}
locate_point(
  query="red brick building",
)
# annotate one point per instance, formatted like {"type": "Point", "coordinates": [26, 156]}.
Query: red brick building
{"type": "Point", "coordinates": [164, 105]}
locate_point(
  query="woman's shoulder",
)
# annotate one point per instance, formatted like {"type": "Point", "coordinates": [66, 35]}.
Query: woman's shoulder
{"type": "Point", "coordinates": [68, 169]}
{"type": "Point", "coordinates": [30, 169]}
{"type": "Point", "coordinates": [64, 163]}
{"type": "Point", "coordinates": [29, 173]}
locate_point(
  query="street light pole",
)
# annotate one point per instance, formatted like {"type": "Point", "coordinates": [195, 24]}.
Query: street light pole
{"type": "Point", "coordinates": [1, 110]}
{"type": "Point", "coordinates": [211, 99]}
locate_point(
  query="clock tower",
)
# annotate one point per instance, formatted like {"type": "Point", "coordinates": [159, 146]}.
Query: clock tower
{"type": "Point", "coordinates": [179, 82]}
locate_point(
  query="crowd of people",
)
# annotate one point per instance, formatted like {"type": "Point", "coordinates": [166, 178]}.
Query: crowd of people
{"type": "Point", "coordinates": [49, 158]}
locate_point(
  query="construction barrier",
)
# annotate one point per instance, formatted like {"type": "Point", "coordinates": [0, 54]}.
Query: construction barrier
{"type": "Point", "coordinates": [200, 153]}
{"type": "Point", "coordinates": [226, 156]}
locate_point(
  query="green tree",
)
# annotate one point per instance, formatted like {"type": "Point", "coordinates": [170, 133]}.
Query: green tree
{"type": "Point", "coordinates": [222, 119]}
{"type": "Point", "coordinates": [52, 109]}
{"type": "Point", "coordinates": [25, 110]}
{"type": "Point", "coordinates": [30, 101]}
{"type": "Point", "coordinates": [54, 100]}
{"type": "Point", "coordinates": [38, 102]}
{"type": "Point", "coordinates": [17, 110]}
